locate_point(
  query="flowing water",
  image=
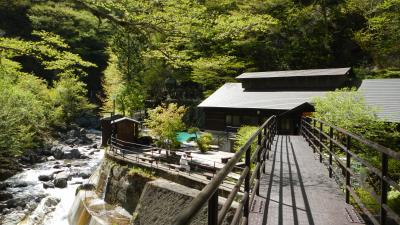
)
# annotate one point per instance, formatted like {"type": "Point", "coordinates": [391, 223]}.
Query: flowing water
{"type": "Point", "coordinates": [62, 206]}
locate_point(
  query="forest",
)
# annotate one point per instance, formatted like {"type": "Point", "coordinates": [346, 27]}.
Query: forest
{"type": "Point", "coordinates": [62, 62]}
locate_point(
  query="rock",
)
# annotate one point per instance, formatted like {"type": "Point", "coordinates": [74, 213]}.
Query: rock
{"type": "Point", "coordinates": [84, 157]}
{"type": "Point", "coordinates": [58, 154]}
{"type": "Point", "coordinates": [51, 158]}
{"type": "Point", "coordinates": [84, 175]}
{"type": "Point", "coordinates": [4, 196]}
{"type": "Point", "coordinates": [71, 141]}
{"type": "Point", "coordinates": [91, 152]}
{"type": "Point", "coordinates": [45, 177]}
{"type": "Point", "coordinates": [2, 206]}
{"type": "Point", "coordinates": [4, 186]}
{"type": "Point", "coordinates": [21, 184]}
{"type": "Point", "coordinates": [75, 153]}
{"type": "Point", "coordinates": [57, 166]}
{"type": "Point", "coordinates": [51, 201]}
{"type": "Point", "coordinates": [15, 202]}
{"type": "Point", "coordinates": [68, 165]}
{"type": "Point", "coordinates": [60, 183]}
{"type": "Point", "coordinates": [31, 206]}
{"type": "Point", "coordinates": [61, 180]}
{"type": "Point", "coordinates": [48, 185]}
{"type": "Point", "coordinates": [73, 134]}
{"type": "Point", "coordinates": [88, 186]}
{"type": "Point", "coordinates": [13, 218]}
{"type": "Point", "coordinates": [5, 174]}
{"type": "Point", "coordinates": [94, 145]}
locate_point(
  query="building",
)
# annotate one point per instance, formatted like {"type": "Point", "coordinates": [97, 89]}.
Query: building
{"type": "Point", "coordinates": [383, 94]}
{"type": "Point", "coordinates": [260, 95]}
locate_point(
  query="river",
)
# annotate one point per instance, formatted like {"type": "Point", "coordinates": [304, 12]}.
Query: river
{"type": "Point", "coordinates": [34, 204]}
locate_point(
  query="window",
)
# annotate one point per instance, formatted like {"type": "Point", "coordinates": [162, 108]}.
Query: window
{"type": "Point", "coordinates": [228, 120]}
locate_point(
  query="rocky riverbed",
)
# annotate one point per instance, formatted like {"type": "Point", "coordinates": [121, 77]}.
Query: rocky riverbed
{"type": "Point", "coordinates": [45, 190]}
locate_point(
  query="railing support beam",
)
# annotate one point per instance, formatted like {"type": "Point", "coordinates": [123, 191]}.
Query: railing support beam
{"type": "Point", "coordinates": [213, 209]}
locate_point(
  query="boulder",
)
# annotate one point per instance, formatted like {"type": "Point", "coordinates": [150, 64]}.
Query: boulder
{"type": "Point", "coordinates": [75, 153]}
{"type": "Point", "coordinates": [84, 175]}
{"type": "Point", "coordinates": [21, 184]}
{"type": "Point", "coordinates": [61, 180]}
{"type": "Point", "coordinates": [2, 206]}
{"type": "Point", "coordinates": [16, 202]}
{"type": "Point", "coordinates": [57, 166]}
{"type": "Point", "coordinates": [60, 183]}
{"type": "Point", "coordinates": [58, 154]}
{"type": "Point", "coordinates": [4, 186]}
{"type": "Point", "coordinates": [4, 196]}
{"type": "Point", "coordinates": [45, 177]}
{"type": "Point", "coordinates": [94, 145]}
{"type": "Point", "coordinates": [48, 185]}
{"type": "Point", "coordinates": [51, 158]}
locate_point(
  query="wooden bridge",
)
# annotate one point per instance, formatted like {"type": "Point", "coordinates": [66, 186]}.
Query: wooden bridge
{"type": "Point", "coordinates": [307, 179]}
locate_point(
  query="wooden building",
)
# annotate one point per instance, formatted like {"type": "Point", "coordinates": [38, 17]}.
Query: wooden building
{"type": "Point", "coordinates": [106, 129]}
{"type": "Point", "coordinates": [287, 94]}
{"type": "Point", "coordinates": [126, 129]}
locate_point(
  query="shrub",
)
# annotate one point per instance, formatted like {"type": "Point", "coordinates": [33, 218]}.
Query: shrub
{"type": "Point", "coordinates": [164, 122]}
{"type": "Point", "coordinates": [204, 142]}
{"type": "Point", "coordinates": [243, 135]}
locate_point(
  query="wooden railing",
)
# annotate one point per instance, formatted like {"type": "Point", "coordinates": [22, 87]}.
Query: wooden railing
{"type": "Point", "coordinates": [330, 142]}
{"type": "Point", "coordinates": [264, 137]}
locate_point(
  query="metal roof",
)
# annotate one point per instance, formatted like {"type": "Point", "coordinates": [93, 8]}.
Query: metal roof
{"type": "Point", "coordinates": [232, 95]}
{"type": "Point", "coordinates": [384, 94]}
{"type": "Point", "coordinates": [296, 73]}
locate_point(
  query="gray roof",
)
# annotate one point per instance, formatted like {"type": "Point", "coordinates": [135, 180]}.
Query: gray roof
{"type": "Point", "coordinates": [385, 95]}
{"type": "Point", "coordinates": [296, 73]}
{"type": "Point", "coordinates": [232, 95]}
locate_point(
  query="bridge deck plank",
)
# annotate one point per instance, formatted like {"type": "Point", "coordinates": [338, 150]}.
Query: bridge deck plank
{"type": "Point", "coordinates": [296, 189]}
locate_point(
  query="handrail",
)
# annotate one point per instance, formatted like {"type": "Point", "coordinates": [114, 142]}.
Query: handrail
{"type": "Point", "coordinates": [210, 192]}
{"type": "Point", "coordinates": [323, 142]}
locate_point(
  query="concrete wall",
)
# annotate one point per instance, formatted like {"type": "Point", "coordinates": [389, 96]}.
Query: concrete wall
{"type": "Point", "coordinates": [162, 201]}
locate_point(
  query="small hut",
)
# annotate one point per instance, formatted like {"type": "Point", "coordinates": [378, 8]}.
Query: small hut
{"type": "Point", "coordinates": [126, 129]}
{"type": "Point", "coordinates": [106, 129]}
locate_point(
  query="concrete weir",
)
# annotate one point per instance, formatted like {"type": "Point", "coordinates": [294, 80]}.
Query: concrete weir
{"type": "Point", "coordinates": [123, 196]}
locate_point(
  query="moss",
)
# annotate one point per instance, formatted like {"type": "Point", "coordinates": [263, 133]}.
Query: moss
{"type": "Point", "coordinates": [142, 172]}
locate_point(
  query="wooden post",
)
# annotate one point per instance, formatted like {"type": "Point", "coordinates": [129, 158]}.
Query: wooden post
{"type": "Point", "coordinates": [213, 209]}
{"type": "Point", "coordinates": [260, 149]}
{"type": "Point", "coordinates": [384, 187]}
{"type": "Point", "coordinates": [314, 123]}
{"type": "Point", "coordinates": [246, 204]}
{"type": "Point", "coordinates": [330, 150]}
{"type": "Point", "coordinates": [348, 167]}
{"type": "Point", "coordinates": [320, 141]}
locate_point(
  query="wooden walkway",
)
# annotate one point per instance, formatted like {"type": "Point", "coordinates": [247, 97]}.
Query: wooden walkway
{"type": "Point", "coordinates": [297, 190]}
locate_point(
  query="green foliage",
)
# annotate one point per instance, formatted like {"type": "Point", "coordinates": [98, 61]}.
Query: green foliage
{"type": "Point", "coordinates": [347, 109]}
{"type": "Point", "coordinates": [29, 106]}
{"type": "Point", "coordinates": [165, 121]}
{"type": "Point", "coordinates": [243, 135]}
{"type": "Point", "coordinates": [68, 97]}
{"type": "Point", "coordinates": [394, 200]}
{"type": "Point", "coordinates": [22, 115]}
{"type": "Point", "coordinates": [204, 142]}
{"type": "Point", "coordinates": [381, 38]}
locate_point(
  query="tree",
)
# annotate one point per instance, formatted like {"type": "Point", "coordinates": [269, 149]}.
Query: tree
{"type": "Point", "coordinates": [346, 108]}
{"type": "Point", "coordinates": [164, 122]}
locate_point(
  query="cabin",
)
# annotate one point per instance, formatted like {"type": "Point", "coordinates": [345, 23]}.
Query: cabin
{"type": "Point", "coordinates": [259, 95]}
{"type": "Point", "coordinates": [106, 129]}
{"type": "Point", "coordinates": [126, 129]}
